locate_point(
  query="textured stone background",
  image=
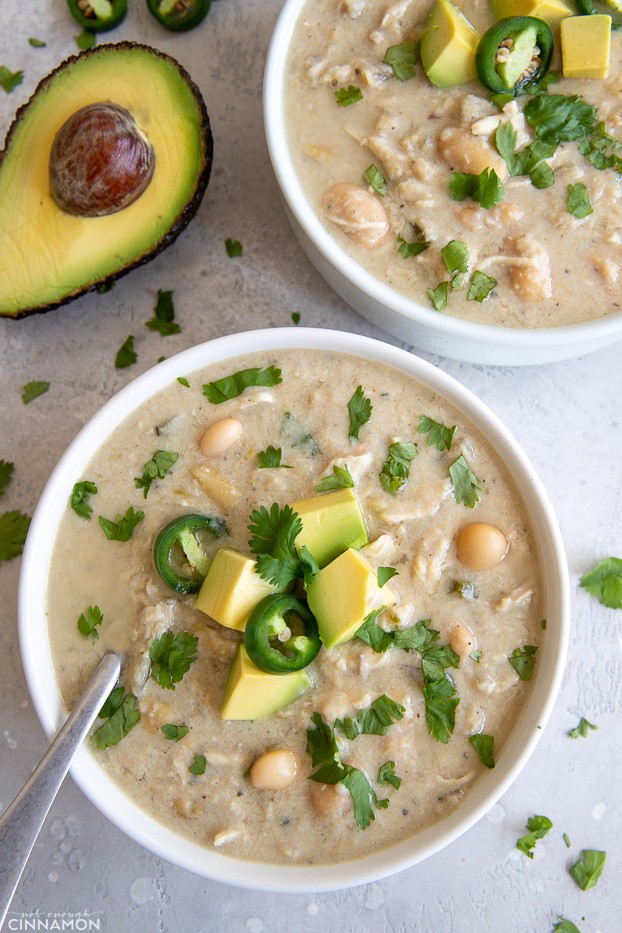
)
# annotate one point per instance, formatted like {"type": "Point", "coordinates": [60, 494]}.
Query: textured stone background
{"type": "Point", "coordinates": [566, 415]}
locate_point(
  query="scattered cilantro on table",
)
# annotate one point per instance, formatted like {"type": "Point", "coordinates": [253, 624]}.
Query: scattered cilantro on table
{"type": "Point", "coordinates": [582, 729]}
{"type": "Point", "coordinates": [79, 499]}
{"type": "Point", "coordinates": [86, 40]}
{"type": "Point", "coordinates": [341, 479]}
{"type": "Point", "coordinates": [538, 827]}
{"type": "Point", "coordinates": [565, 926]}
{"type": "Point", "coordinates": [587, 871]}
{"type": "Point", "coordinates": [221, 390]}
{"type": "Point", "coordinates": [359, 411]}
{"type": "Point", "coordinates": [345, 97]}
{"type": "Point", "coordinates": [123, 527]}
{"type": "Point", "coordinates": [126, 355]}
{"type": "Point", "coordinates": [6, 472]}
{"type": "Point", "coordinates": [566, 839]}
{"type": "Point", "coordinates": [121, 714]}
{"type": "Point", "coordinates": [9, 80]}
{"type": "Point", "coordinates": [171, 655]}
{"type": "Point", "coordinates": [234, 248]}
{"type": "Point", "coordinates": [36, 43]}
{"type": "Point", "coordinates": [156, 468]}
{"type": "Point", "coordinates": [13, 530]}
{"type": "Point", "coordinates": [604, 582]}
{"type": "Point", "coordinates": [88, 622]}
{"type": "Point", "coordinates": [33, 390]}
{"type": "Point", "coordinates": [163, 319]}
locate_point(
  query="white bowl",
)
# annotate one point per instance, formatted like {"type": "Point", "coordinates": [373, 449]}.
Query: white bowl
{"type": "Point", "coordinates": [401, 316]}
{"type": "Point", "coordinates": [108, 796]}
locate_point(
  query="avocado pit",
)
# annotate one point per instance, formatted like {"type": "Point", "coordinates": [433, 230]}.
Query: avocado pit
{"type": "Point", "coordinates": [100, 161]}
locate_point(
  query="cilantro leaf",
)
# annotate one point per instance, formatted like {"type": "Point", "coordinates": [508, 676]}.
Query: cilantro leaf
{"type": "Point", "coordinates": [406, 250]}
{"type": "Point", "coordinates": [122, 715]}
{"type": "Point", "coordinates": [588, 869]}
{"type": "Point", "coordinates": [13, 530]}
{"type": "Point", "coordinates": [375, 720]}
{"type": "Point", "coordinates": [347, 96]}
{"type": "Point", "coordinates": [542, 176]}
{"type": "Point", "coordinates": [163, 319]}
{"type": "Point", "coordinates": [566, 839]}
{"type": "Point", "coordinates": [359, 410]}
{"type": "Point", "coordinates": [234, 248]}
{"type": "Point", "coordinates": [565, 926]}
{"type": "Point", "coordinates": [174, 733]}
{"type": "Point", "coordinates": [439, 296]}
{"type": "Point", "coordinates": [231, 386]}
{"type": "Point", "coordinates": [463, 185]}
{"type": "Point", "coordinates": [538, 827]}
{"type": "Point", "coordinates": [270, 458]}
{"type": "Point", "coordinates": [171, 656]}
{"type": "Point", "coordinates": [559, 118]}
{"type": "Point", "coordinates": [418, 637]}
{"type": "Point", "coordinates": [582, 729]}
{"type": "Point", "coordinates": [33, 390]}
{"type": "Point", "coordinates": [123, 528]}
{"type": "Point", "coordinates": [6, 471]}
{"type": "Point", "coordinates": [481, 286]}
{"type": "Point", "coordinates": [523, 661]}
{"type": "Point", "coordinates": [385, 574]}
{"type": "Point", "coordinates": [321, 743]}
{"type": "Point", "coordinates": [505, 141]}
{"type": "Point", "coordinates": [199, 763]}
{"type": "Point", "coordinates": [455, 256]}
{"type": "Point", "coordinates": [298, 435]}
{"type": "Point", "coordinates": [79, 500]}
{"type": "Point", "coordinates": [273, 536]}
{"type": "Point", "coordinates": [156, 468]}
{"type": "Point", "coordinates": [374, 636]}
{"type": "Point", "coordinates": [604, 582]}
{"type": "Point", "coordinates": [485, 188]}
{"type": "Point", "coordinates": [362, 795]}
{"type": "Point", "coordinates": [86, 40]}
{"type": "Point", "coordinates": [183, 381]}
{"type": "Point", "coordinates": [295, 317]}
{"type": "Point", "coordinates": [341, 479]}
{"type": "Point", "coordinates": [387, 775]}
{"type": "Point", "coordinates": [88, 622]}
{"type": "Point", "coordinates": [402, 59]}
{"type": "Point", "coordinates": [36, 43]}
{"type": "Point", "coordinates": [465, 482]}
{"type": "Point", "coordinates": [396, 468]}
{"type": "Point", "coordinates": [578, 201]}
{"type": "Point", "coordinates": [9, 80]}
{"type": "Point", "coordinates": [484, 745]}
{"type": "Point", "coordinates": [439, 436]}
{"type": "Point", "coordinates": [376, 179]}
{"type": "Point", "coordinates": [601, 149]}
{"type": "Point", "coordinates": [436, 659]}
{"type": "Point", "coordinates": [440, 709]}
{"type": "Point", "coordinates": [126, 355]}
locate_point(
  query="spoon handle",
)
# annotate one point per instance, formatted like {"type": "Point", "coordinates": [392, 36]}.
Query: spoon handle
{"type": "Point", "coordinates": [22, 820]}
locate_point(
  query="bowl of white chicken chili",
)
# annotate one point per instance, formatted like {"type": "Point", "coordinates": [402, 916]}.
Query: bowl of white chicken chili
{"type": "Point", "coordinates": [340, 597]}
{"type": "Point", "coordinates": [454, 171]}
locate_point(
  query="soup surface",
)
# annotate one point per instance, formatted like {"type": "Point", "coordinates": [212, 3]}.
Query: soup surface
{"type": "Point", "coordinates": [485, 616]}
{"type": "Point", "coordinates": [549, 266]}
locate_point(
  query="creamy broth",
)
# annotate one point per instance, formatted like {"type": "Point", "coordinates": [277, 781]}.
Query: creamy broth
{"type": "Point", "coordinates": [413, 531]}
{"type": "Point", "coordinates": [551, 268]}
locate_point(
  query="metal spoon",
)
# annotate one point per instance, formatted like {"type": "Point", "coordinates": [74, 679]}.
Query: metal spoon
{"type": "Point", "coordinates": [21, 822]}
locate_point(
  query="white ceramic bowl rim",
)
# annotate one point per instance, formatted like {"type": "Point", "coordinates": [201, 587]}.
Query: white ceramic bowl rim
{"type": "Point", "coordinates": [277, 137]}
{"type": "Point", "coordinates": [108, 796]}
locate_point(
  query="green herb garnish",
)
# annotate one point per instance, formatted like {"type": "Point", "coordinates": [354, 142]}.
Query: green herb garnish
{"type": "Point", "coordinates": [601, 149]}
{"type": "Point", "coordinates": [171, 656]}
{"type": "Point", "coordinates": [582, 729]}
{"type": "Point", "coordinates": [86, 40]}
{"type": "Point", "coordinates": [578, 201]}
{"type": "Point", "coordinates": [36, 43]}
{"type": "Point", "coordinates": [295, 317]}
{"type": "Point", "coordinates": [174, 733]}
{"type": "Point", "coordinates": [387, 775]}
{"type": "Point", "coordinates": [396, 468]}
{"type": "Point", "coordinates": [6, 471]}
{"type": "Point", "coordinates": [123, 527]}
{"type": "Point", "coordinates": [347, 96]}
{"type": "Point", "coordinates": [198, 765]}
{"type": "Point", "coordinates": [566, 839]}
{"type": "Point", "coordinates": [485, 188]}
{"type": "Point", "coordinates": [475, 656]}
{"type": "Point", "coordinates": [33, 390]}
{"type": "Point", "coordinates": [528, 160]}
{"type": "Point", "coordinates": [406, 250]}
{"type": "Point", "coordinates": [481, 286]}
{"type": "Point", "coordinates": [341, 479]}
{"type": "Point", "coordinates": [375, 720]}
{"type": "Point", "coordinates": [9, 80]}
{"type": "Point", "coordinates": [122, 715]}
{"type": "Point", "coordinates": [439, 295]}
{"type": "Point", "coordinates": [80, 498]}
{"type": "Point", "coordinates": [163, 319]}
{"type": "Point", "coordinates": [156, 468]}
{"type": "Point", "coordinates": [270, 458]}
{"type": "Point", "coordinates": [105, 287]}
{"type": "Point", "coordinates": [231, 386]}
{"type": "Point", "coordinates": [402, 59]}
{"type": "Point", "coordinates": [604, 582]}
{"type": "Point", "coordinates": [126, 356]}
{"type": "Point", "coordinates": [589, 868]}
{"type": "Point", "coordinates": [376, 179]}
{"type": "Point", "coordinates": [538, 827]}
{"type": "Point", "coordinates": [234, 248]}
{"type": "Point", "coordinates": [558, 118]}
{"type": "Point", "coordinates": [183, 381]}
{"type": "Point", "coordinates": [523, 661]}
{"type": "Point", "coordinates": [88, 622]}
{"type": "Point", "coordinates": [484, 745]}
{"type": "Point", "coordinates": [13, 530]}
{"type": "Point", "coordinates": [565, 926]}
{"type": "Point", "coordinates": [385, 574]}
{"type": "Point", "coordinates": [455, 256]}
{"type": "Point", "coordinates": [439, 436]}
{"type": "Point", "coordinates": [273, 536]}
{"type": "Point", "coordinates": [359, 410]}
{"type": "Point", "coordinates": [465, 482]}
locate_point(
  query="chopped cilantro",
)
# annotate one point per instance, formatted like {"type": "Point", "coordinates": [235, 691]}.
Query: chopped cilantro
{"type": "Point", "coordinates": [523, 661]}
{"type": "Point", "coordinates": [86, 40]}
{"type": "Point", "coordinates": [455, 256]}
{"type": "Point", "coordinates": [385, 574]}
{"type": "Point", "coordinates": [156, 468]}
{"type": "Point", "coordinates": [270, 458]}
{"type": "Point", "coordinates": [36, 43]}
{"type": "Point", "coordinates": [171, 656]}
{"type": "Point", "coordinates": [231, 386]}
{"type": "Point", "coordinates": [163, 319]}
{"type": "Point", "coordinates": [13, 530]}
{"type": "Point", "coordinates": [6, 471]}
{"type": "Point", "coordinates": [33, 390]}
{"type": "Point", "coordinates": [578, 201]}
{"type": "Point", "coordinates": [376, 179]}
{"type": "Point", "coordinates": [121, 714]}
{"type": "Point", "coordinates": [396, 468]}
{"type": "Point", "coordinates": [604, 582]}
{"type": "Point", "coordinates": [481, 286]}
{"type": "Point", "coordinates": [126, 356]}
{"type": "Point", "coordinates": [273, 534]}
{"type": "Point", "coordinates": [80, 498]}
{"type": "Point", "coordinates": [475, 656]}
{"type": "Point", "coordinates": [601, 149]}
{"type": "Point", "coordinates": [341, 479]}
{"type": "Point", "coordinates": [295, 317]}
{"type": "Point", "coordinates": [566, 839]}
{"type": "Point", "coordinates": [123, 527]}
{"type": "Point", "coordinates": [374, 636]}
{"type": "Point", "coordinates": [88, 622]}
{"type": "Point", "coordinates": [439, 295]}
{"type": "Point", "coordinates": [465, 482]}
{"type": "Point", "coordinates": [543, 625]}
{"type": "Point", "coordinates": [375, 720]}
{"type": "Point", "coordinates": [542, 175]}
{"type": "Point", "coordinates": [528, 160]}
{"type": "Point", "coordinates": [9, 80]}
{"type": "Point", "coordinates": [359, 410]}
{"type": "Point", "coordinates": [484, 745]}
{"type": "Point", "coordinates": [402, 59]}
{"type": "Point", "coordinates": [558, 118]}
{"type": "Point", "coordinates": [198, 765]}
{"type": "Point", "coordinates": [347, 96]}
{"type": "Point", "coordinates": [105, 287]}
{"type": "Point", "coordinates": [538, 827]}
{"type": "Point", "coordinates": [183, 381]}
{"type": "Point", "coordinates": [588, 869]}
{"type": "Point", "coordinates": [565, 926]}
{"type": "Point", "coordinates": [406, 250]}
{"type": "Point", "coordinates": [174, 733]}
{"type": "Point", "coordinates": [439, 436]}
{"type": "Point", "coordinates": [485, 188]}
{"type": "Point", "coordinates": [440, 708]}
{"type": "Point", "coordinates": [234, 248]}
{"type": "Point", "coordinates": [387, 775]}
{"type": "Point", "coordinates": [582, 729]}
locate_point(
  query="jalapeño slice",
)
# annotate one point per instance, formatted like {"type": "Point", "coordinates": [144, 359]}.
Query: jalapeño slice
{"type": "Point", "coordinates": [514, 52]}
{"type": "Point", "coordinates": [281, 634]}
{"type": "Point", "coordinates": [98, 15]}
{"type": "Point", "coordinates": [179, 15]}
{"type": "Point", "coordinates": [180, 554]}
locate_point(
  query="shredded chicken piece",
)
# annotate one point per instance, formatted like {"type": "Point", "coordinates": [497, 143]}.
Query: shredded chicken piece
{"type": "Point", "coordinates": [379, 549]}
{"type": "Point", "coordinates": [518, 597]}
{"type": "Point", "coordinates": [510, 114]}
{"type": "Point", "coordinates": [430, 558]}
{"type": "Point", "coordinates": [425, 502]}
{"type": "Point", "coordinates": [606, 267]}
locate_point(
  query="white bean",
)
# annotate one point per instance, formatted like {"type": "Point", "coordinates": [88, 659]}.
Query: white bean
{"type": "Point", "coordinates": [219, 437]}
{"type": "Point", "coordinates": [274, 770]}
{"type": "Point", "coordinates": [462, 640]}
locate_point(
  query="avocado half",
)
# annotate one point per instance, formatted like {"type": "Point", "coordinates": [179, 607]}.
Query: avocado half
{"type": "Point", "coordinates": [49, 257]}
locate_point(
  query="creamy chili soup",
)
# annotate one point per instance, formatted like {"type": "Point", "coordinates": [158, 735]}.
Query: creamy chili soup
{"type": "Point", "coordinates": [421, 474]}
{"type": "Point", "coordinates": [539, 260]}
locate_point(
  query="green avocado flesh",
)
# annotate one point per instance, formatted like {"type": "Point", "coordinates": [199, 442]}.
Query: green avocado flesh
{"type": "Point", "coordinates": [49, 257]}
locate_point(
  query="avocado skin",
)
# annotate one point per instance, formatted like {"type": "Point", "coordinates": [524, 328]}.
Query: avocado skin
{"type": "Point", "coordinates": [180, 222]}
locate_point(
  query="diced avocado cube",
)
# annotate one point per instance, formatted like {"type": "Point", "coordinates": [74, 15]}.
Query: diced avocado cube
{"type": "Point", "coordinates": [585, 46]}
{"type": "Point", "coordinates": [343, 594]}
{"type": "Point", "coordinates": [448, 46]}
{"type": "Point", "coordinates": [330, 524]}
{"type": "Point", "coordinates": [550, 10]}
{"type": "Point", "coordinates": [232, 589]}
{"type": "Point", "coordinates": [253, 694]}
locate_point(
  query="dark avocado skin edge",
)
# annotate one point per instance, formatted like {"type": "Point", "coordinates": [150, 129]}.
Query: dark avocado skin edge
{"type": "Point", "coordinates": [180, 222]}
